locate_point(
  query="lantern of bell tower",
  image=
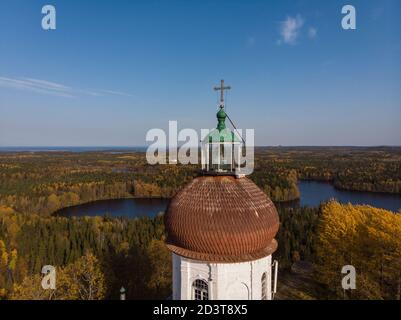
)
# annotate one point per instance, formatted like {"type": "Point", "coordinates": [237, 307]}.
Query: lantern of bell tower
{"type": "Point", "coordinates": [221, 149]}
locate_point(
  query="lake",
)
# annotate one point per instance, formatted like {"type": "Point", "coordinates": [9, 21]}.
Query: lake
{"type": "Point", "coordinates": [136, 207]}
{"type": "Point", "coordinates": [312, 194]}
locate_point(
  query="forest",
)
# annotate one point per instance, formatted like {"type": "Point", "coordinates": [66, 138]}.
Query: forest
{"type": "Point", "coordinates": [366, 238]}
{"type": "Point", "coordinates": [350, 168]}
{"type": "Point", "coordinates": [99, 255]}
{"type": "Point", "coordinates": [44, 182]}
{"type": "Point", "coordinates": [123, 252]}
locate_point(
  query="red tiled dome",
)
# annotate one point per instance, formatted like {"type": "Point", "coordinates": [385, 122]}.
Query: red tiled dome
{"type": "Point", "coordinates": [221, 219]}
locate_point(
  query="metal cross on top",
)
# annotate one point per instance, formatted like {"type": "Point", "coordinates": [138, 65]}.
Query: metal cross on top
{"type": "Point", "coordinates": [222, 88]}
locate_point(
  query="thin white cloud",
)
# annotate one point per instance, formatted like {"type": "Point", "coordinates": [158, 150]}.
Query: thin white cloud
{"type": "Point", "coordinates": [47, 84]}
{"type": "Point", "coordinates": [290, 29]}
{"type": "Point", "coordinates": [312, 33]}
{"type": "Point", "coordinates": [36, 85]}
{"type": "Point", "coordinates": [53, 88]}
{"type": "Point", "coordinates": [117, 93]}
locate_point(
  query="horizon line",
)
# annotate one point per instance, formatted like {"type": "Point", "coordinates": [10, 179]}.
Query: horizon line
{"type": "Point", "coordinates": [145, 146]}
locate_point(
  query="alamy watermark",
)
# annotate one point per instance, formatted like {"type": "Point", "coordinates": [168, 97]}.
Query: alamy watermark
{"type": "Point", "coordinates": [349, 20]}
{"type": "Point", "coordinates": [211, 147]}
{"type": "Point", "coordinates": [49, 279]}
{"type": "Point", "coordinates": [49, 18]}
{"type": "Point", "coordinates": [349, 280]}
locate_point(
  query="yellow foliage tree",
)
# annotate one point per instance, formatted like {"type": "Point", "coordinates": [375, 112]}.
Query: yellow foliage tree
{"type": "Point", "coordinates": [81, 280]}
{"type": "Point", "coordinates": [160, 266]}
{"type": "Point", "coordinates": [365, 237]}
{"type": "Point", "coordinates": [53, 203]}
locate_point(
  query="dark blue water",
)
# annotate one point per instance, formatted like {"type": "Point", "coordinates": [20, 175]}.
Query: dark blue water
{"type": "Point", "coordinates": [313, 193]}
{"type": "Point", "coordinates": [149, 207]}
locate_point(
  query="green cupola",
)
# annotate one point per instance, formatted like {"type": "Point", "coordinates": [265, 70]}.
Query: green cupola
{"type": "Point", "coordinates": [221, 119]}
{"type": "Point", "coordinates": [222, 133]}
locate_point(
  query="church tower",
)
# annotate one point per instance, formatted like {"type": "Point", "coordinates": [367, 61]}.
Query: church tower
{"type": "Point", "coordinates": [221, 227]}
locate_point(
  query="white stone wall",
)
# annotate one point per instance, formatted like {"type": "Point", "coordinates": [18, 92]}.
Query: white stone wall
{"type": "Point", "coordinates": [227, 281]}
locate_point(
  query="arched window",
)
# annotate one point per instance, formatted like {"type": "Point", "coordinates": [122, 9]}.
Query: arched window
{"type": "Point", "coordinates": [200, 290]}
{"type": "Point", "coordinates": [264, 286]}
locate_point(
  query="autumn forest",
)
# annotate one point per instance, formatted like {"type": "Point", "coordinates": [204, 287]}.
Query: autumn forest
{"type": "Point", "coordinates": [96, 256]}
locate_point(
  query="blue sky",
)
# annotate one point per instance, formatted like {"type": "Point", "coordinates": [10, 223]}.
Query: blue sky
{"type": "Point", "coordinates": [112, 70]}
